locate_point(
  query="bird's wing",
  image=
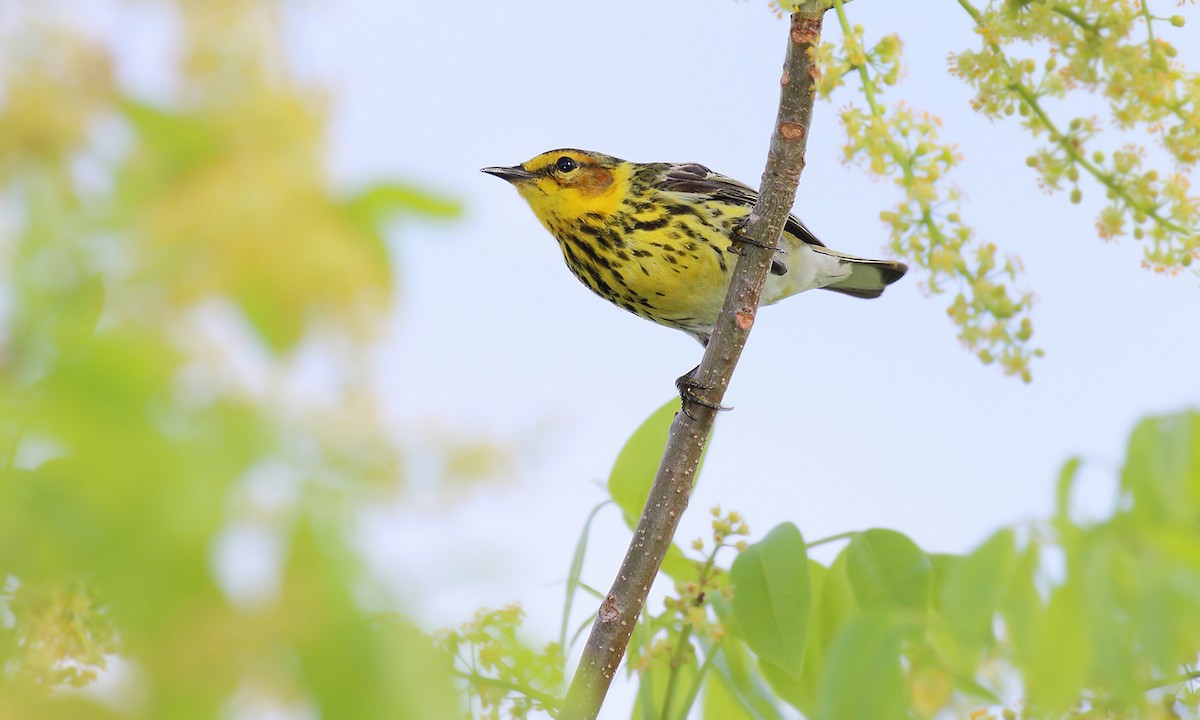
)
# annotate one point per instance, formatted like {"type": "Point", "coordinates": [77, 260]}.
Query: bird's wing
{"type": "Point", "coordinates": [696, 179]}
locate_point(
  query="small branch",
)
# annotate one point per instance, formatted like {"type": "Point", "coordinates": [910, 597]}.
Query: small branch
{"type": "Point", "coordinates": [694, 690]}
{"type": "Point", "coordinates": [972, 11]}
{"type": "Point", "coordinates": [677, 659]}
{"type": "Point", "coordinates": [1151, 45]}
{"type": "Point", "coordinates": [1069, 14]}
{"type": "Point", "coordinates": [689, 432]}
{"type": "Point", "coordinates": [547, 700]}
{"type": "Point", "coordinates": [1177, 680]}
{"type": "Point", "coordinates": [1062, 140]}
{"type": "Point", "coordinates": [1076, 18]}
{"type": "Point", "coordinates": [685, 635]}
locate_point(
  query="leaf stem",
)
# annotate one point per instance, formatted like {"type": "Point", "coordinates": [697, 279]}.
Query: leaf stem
{"type": "Point", "coordinates": [574, 573]}
{"type": "Point", "coordinates": [831, 538]}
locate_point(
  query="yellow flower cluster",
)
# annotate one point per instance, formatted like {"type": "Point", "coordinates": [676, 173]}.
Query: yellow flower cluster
{"type": "Point", "coordinates": [926, 226]}
{"type": "Point", "coordinates": [1108, 48]}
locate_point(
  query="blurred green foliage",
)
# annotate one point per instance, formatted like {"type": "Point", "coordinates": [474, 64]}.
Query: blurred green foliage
{"type": "Point", "coordinates": [1063, 618]}
{"type": "Point", "coordinates": [131, 446]}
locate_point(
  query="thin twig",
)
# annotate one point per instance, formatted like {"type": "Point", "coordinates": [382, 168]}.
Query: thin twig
{"type": "Point", "coordinates": [694, 690]}
{"type": "Point", "coordinates": [1151, 45]}
{"type": "Point", "coordinates": [547, 700]}
{"type": "Point", "coordinates": [1177, 680]}
{"type": "Point", "coordinates": [677, 659]}
{"type": "Point", "coordinates": [689, 432]}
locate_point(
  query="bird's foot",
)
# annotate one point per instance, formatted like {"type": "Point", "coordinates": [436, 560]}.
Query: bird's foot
{"type": "Point", "coordinates": [688, 385]}
{"type": "Point", "coordinates": [741, 239]}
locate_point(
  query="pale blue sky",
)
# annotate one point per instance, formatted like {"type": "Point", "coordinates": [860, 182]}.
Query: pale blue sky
{"type": "Point", "coordinates": [849, 414]}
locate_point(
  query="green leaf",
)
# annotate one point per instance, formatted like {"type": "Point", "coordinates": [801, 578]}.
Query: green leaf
{"type": "Point", "coordinates": [720, 704]}
{"type": "Point", "coordinates": [1167, 592]}
{"type": "Point", "coordinates": [655, 678]}
{"type": "Point", "coordinates": [683, 710]}
{"type": "Point", "coordinates": [956, 655]}
{"type": "Point", "coordinates": [837, 604]}
{"type": "Point", "coordinates": [378, 203]}
{"type": "Point", "coordinates": [833, 602]}
{"type": "Point", "coordinates": [637, 463]}
{"type": "Point", "coordinates": [1162, 469]}
{"type": "Point", "coordinates": [888, 570]}
{"type": "Point", "coordinates": [789, 689]}
{"type": "Point", "coordinates": [400, 674]}
{"type": "Point", "coordinates": [650, 691]}
{"type": "Point", "coordinates": [1058, 668]}
{"type": "Point", "coordinates": [633, 474]}
{"type": "Point", "coordinates": [772, 602]}
{"type": "Point", "coordinates": [80, 312]}
{"type": "Point", "coordinates": [173, 143]}
{"type": "Point", "coordinates": [826, 622]}
{"type": "Point", "coordinates": [574, 573]}
{"type": "Point", "coordinates": [746, 688]}
{"type": "Point", "coordinates": [970, 592]}
{"type": "Point", "coordinates": [677, 566]}
{"type": "Point", "coordinates": [863, 679]}
{"type": "Point", "coordinates": [1062, 491]}
{"type": "Point", "coordinates": [1020, 604]}
{"type": "Point", "coordinates": [1107, 573]}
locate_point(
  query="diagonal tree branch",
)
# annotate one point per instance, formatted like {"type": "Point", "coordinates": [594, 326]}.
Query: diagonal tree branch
{"type": "Point", "coordinates": [690, 430]}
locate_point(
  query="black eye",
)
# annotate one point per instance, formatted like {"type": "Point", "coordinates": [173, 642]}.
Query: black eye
{"type": "Point", "coordinates": [565, 164]}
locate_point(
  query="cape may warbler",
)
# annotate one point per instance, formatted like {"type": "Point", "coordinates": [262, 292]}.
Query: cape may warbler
{"type": "Point", "coordinates": [660, 239]}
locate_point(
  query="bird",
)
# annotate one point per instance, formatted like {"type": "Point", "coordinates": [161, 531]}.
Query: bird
{"type": "Point", "coordinates": [661, 239]}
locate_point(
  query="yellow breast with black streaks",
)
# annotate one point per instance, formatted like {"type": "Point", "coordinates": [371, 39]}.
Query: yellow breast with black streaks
{"type": "Point", "coordinates": [666, 261]}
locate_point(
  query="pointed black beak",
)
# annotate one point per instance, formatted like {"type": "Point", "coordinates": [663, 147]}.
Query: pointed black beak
{"type": "Point", "coordinates": [512, 174]}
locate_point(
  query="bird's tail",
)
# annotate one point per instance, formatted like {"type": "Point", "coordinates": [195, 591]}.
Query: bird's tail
{"type": "Point", "coordinates": [867, 278]}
